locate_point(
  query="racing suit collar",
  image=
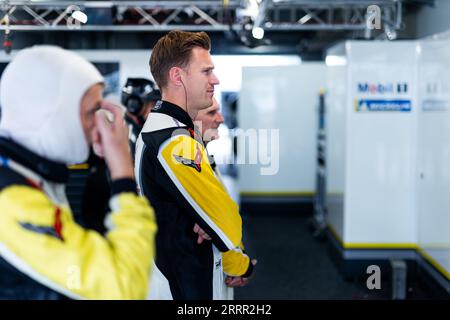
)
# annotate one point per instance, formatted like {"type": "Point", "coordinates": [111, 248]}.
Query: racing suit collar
{"type": "Point", "coordinates": [174, 111]}
{"type": "Point", "coordinates": [49, 170]}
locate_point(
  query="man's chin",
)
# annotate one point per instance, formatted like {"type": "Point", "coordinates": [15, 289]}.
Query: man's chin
{"type": "Point", "coordinates": [205, 105]}
{"type": "Point", "coordinates": [209, 100]}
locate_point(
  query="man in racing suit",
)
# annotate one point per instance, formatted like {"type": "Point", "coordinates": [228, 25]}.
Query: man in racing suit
{"type": "Point", "coordinates": [44, 254]}
{"type": "Point", "coordinates": [173, 171]}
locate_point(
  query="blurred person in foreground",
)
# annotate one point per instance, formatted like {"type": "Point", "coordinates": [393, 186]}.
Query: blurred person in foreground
{"type": "Point", "coordinates": [44, 254]}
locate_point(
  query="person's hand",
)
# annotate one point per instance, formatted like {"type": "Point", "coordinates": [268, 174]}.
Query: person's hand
{"type": "Point", "coordinates": [202, 235]}
{"type": "Point", "coordinates": [110, 140]}
{"type": "Point", "coordinates": [239, 281]}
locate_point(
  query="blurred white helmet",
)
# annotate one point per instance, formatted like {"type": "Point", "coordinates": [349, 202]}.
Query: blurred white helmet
{"type": "Point", "coordinates": [40, 93]}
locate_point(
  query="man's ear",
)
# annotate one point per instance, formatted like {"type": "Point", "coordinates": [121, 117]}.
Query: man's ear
{"type": "Point", "coordinates": [175, 76]}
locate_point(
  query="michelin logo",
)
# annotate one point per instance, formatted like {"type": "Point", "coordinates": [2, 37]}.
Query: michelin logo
{"type": "Point", "coordinates": [383, 105]}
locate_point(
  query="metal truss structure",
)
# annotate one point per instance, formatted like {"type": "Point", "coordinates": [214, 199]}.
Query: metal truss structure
{"type": "Point", "coordinates": [213, 15]}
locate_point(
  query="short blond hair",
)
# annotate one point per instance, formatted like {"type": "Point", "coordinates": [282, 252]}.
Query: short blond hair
{"type": "Point", "coordinates": [175, 50]}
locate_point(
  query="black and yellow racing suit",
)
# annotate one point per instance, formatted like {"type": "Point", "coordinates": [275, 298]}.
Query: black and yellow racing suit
{"type": "Point", "coordinates": [44, 254]}
{"type": "Point", "coordinates": [173, 171]}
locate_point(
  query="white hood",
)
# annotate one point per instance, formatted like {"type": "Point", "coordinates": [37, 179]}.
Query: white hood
{"type": "Point", "coordinates": [40, 96]}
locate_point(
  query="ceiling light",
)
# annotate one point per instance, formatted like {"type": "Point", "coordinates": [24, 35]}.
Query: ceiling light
{"type": "Point", "coordinates": [305, 18]}
{"type": "Point", "coordinates": [80, 16]}
{"type": "Point", "coordinates": [258, 33]}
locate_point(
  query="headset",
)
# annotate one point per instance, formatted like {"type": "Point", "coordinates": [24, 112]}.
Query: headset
{"type": "Point", "coordinates": [137, 92]}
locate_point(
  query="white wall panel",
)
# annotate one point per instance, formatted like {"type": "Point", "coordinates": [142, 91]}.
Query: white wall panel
{"type": "Point", "coordinates": [284, 99]}
{"type": "Point", "coordinates": [434, 151]}
{"type": "Point", "coordinates": [379, 139]}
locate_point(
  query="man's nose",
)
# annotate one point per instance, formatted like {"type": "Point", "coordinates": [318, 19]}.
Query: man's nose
{"type": "Point", "coordinates": [214, 80]}
{"type": "Point", "coordinates": [220, 118]}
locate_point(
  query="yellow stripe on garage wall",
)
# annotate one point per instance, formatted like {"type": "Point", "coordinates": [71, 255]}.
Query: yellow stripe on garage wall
{"type": "Point", "coordinates": [277, 193]}
{"type": "Point", "coordinates": [434, 263]}
{"type": "Point", "coordinates": [370, 245]}
{"type": "Point", "coordinates": [83, 166]}
{"type": "Point", "coordinates": [421, 251]}
{"type": "Point", "coordinates": [349, 245]}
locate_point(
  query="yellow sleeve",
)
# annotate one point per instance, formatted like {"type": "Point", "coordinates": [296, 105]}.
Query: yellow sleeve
{"type": "Point", "coordinates": [236, 263]}
{"type": "Point", "coordinates": [186, 163]}
{"type": "Point", "coordinates": [43, 241]}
